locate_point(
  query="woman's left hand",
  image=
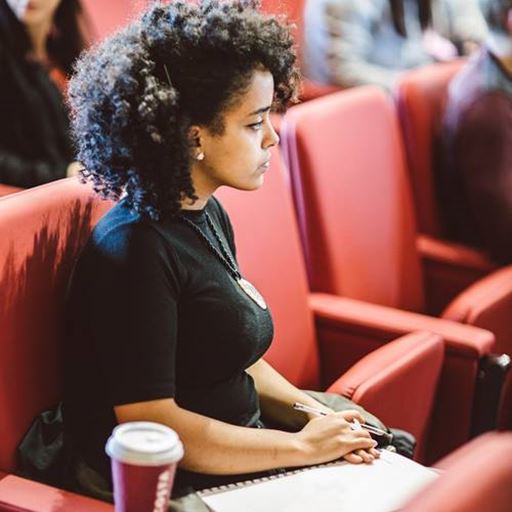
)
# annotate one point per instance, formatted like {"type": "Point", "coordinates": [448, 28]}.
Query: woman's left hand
{"type": "Point", "coordinates": [357, 456]}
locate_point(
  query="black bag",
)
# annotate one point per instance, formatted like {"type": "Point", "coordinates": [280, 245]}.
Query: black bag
{"type": "Point", "coordinates": [401, 441]}
{"type": "Point", "coordinates": [45, 453]}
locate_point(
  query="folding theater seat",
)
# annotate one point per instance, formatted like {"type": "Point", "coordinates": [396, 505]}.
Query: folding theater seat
{"type": "Point", "coordinates": [41, 233]}
{"type": "Point", "coordinates": [420, 99]}
{"type": "Point", "coordinates": [476, 477]}
{"type": "Point", "coordinates": [357, 223]}
{"type": "Point", "coordinates": [396, 382]}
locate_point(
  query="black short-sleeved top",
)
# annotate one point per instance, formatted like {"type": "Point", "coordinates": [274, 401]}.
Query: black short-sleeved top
{"type": "Point", "coordinates": [153, 313]}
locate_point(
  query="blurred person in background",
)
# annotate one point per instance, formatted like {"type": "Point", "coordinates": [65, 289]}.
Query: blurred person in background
{"type": "Point", "coordinates": [39, 41]}
{"type": "Point", "coordinates": [475, 172]}
{"type": "Point", "coordinates": [359, 42]}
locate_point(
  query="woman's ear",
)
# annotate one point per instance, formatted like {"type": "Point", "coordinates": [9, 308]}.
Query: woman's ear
{"type": "Point", "coordinates": [509, 21]}
{"type": "Point", "coordinates": [194, 136]}
{"type": "Point", "coordinates": [194, 140]}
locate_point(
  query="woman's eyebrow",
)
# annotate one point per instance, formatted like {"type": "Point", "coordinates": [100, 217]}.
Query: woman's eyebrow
{"type": "Point", "coordinates": [259, 111]}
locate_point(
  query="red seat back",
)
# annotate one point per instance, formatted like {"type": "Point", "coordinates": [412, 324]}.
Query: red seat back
{"type": "Point", "coordinates": [353, 198]}
{"type": "Point", "coordinates": [42, 231]}
{"type": "Point", "coordinates": [421, 97]}
{"type": "Point", "coordinates": [270, 256]}
{"type": "Point", "coordinates": [478, 476]}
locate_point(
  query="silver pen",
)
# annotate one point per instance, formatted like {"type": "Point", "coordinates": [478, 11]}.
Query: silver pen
{"type": "Point", "coordinates": [354, 425]}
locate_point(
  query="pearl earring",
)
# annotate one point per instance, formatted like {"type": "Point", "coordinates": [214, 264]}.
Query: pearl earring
{"type": "Point", "coordinates": [200, 156]}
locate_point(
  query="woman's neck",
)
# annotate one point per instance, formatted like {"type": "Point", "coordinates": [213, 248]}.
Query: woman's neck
{"type": "Point", "coordinates": [198, 204]}
{"type": "Point", "coordinates": [39, 35]}
{"type": "Point", "coordinates": [204, 187]}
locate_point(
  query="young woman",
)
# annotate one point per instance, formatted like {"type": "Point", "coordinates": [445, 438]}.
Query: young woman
{"type": "Point", "coordinates": [39, 41]}
{"type": "Point", "coordinates": [359, 42]}
{"type": "Point", "coordinates": [161, 326]}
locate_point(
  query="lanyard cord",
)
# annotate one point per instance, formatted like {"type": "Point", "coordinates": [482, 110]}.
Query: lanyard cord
{"type": "Point", "coordinates": [223, 255]}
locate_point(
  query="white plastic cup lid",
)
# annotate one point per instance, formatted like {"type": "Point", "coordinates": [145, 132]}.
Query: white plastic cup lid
{"type": "Point", "coordinates": [144, 443]}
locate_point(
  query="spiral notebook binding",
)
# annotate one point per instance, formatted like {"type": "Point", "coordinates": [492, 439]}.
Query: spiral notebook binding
{"type": "Point", "coordinates": [231, 487]}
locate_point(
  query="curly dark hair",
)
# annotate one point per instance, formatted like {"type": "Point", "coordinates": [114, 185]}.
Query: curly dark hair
{"type": "Point", "coordinates": [135, 96]}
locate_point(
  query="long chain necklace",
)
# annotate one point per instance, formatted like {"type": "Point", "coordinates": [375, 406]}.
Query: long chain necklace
{"type": "Point", "coordinates": [226, 259]}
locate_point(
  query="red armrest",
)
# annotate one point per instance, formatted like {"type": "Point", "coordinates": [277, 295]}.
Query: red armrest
{"type": "Point", "coordinates": [398, 382]}
{"type": "Point", "coordinates": [348, 329]}
{"type": "Point", "coordinates": [487, 304]}
{"type": "Point", "coordinates": [381, 323]}
{"type": "Point", "coordinates": [449, 269]}
{"type": "Point", "coordinates": [21, 495]}
{"type": "Point", "coordinates": [456, 255]}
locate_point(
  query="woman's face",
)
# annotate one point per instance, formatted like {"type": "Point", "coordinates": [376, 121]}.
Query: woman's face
{"type": "Point", "coordinates": [240, 156]}
{"type": "Point", "coordinates": [34, 12]}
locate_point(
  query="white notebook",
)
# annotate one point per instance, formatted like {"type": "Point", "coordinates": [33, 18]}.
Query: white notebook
{"type": "Point", "coordinates": [383, 486]}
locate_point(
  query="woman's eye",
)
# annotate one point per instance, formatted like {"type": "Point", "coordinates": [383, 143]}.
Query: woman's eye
{"type": "Point", "coordinates": [256, 126]}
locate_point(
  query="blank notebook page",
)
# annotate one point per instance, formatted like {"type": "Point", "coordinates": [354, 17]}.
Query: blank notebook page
{"type": "Point", "coordinates": [383, 486]}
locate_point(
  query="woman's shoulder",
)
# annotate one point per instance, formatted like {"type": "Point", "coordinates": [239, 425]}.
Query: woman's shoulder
{"type": "Point", "coordinates": [121, 229]}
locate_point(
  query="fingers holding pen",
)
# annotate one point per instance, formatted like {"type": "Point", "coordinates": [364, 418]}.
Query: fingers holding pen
{"type": "Point", "coordinates": [330, 437]}
{"type": "Point", "coordinates": [351, 415]}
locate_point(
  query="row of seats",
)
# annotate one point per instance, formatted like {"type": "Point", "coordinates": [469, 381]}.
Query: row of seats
{"type": "Point", "coordinates": [354, 204]}
{"type": "Point", "coordinates": [420, 99]}
{"type": "Point", "coordinates": [43, 230]}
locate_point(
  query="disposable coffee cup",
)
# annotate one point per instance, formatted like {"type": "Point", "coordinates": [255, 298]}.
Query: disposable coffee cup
{"type": "Point", "coordinates": [144, 457]}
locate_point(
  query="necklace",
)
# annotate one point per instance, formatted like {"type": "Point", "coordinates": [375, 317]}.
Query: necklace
{"type": "Point", "coordinates": [226, 259]}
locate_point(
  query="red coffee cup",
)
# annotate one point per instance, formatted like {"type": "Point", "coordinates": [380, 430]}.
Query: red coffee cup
{"type": "Point", "coordinates": [144, 457]}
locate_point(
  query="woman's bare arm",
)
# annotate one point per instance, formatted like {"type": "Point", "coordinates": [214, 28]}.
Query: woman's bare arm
{"type": "Point", "coordinates": [277, 396]}
{"type": "Point", "coordinates": [214, 447]}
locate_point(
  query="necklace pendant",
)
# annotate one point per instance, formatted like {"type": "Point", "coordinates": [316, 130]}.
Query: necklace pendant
{"type": "Point", "coordinates": [251, 291]}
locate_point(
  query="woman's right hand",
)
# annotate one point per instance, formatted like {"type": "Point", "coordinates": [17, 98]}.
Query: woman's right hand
{"type": "Point", "coordinates": [331, 437]}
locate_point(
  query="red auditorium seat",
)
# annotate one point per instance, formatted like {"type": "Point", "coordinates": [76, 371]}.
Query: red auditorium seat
{"type": "Point", "coordinates": [43, 229]}
{"type": "Point", "coordinates": [476, 477]}
{"type": "Point", "coordinates": [420, 99]}
{"type": "Point", "coordinates": [355, 211]}
{"type": "Point", "coordinates": [395, 382]}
